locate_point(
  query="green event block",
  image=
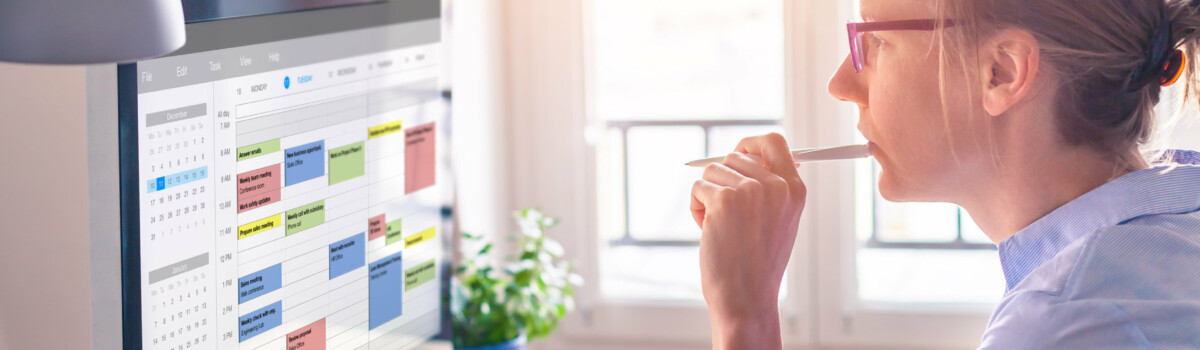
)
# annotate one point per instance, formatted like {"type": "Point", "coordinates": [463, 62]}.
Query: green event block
{"type": "Point", "coordinates": [393, 232]}
{"type": "Point", "coordinates": [305, 217]}
{"type": "Point", "coordinates": [347, 162]}
{"type": "Point", "coordinates": [418, 275]}
{"type": "Point", "coordinates": [258, 149]}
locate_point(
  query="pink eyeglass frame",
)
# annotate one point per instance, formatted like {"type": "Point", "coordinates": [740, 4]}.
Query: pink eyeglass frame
{"type": "Point", "coordinates": [856, 29]}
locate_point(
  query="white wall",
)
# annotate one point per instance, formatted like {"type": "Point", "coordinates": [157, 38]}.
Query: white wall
{"type": "Point", "coordinates": [44, 256]}
{"type": "Point", "coordinates": [481, 137]}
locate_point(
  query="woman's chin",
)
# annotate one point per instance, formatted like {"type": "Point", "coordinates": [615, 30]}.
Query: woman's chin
{"type": "Point", "coordinates": [896, 191]}
{"type": "Point", "coordinates": [889, 192]}
{"type": "Point", "coordinates": [893, 191]}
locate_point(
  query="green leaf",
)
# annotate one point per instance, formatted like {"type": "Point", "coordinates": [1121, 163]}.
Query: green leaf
{"type": "Point", "coordinates": [523, 277]}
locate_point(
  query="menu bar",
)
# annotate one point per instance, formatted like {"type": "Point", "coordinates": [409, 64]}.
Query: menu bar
{"type": "Point", "coordinates": [177, 71]}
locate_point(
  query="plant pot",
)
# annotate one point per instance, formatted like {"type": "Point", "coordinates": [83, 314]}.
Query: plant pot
{"type": "Point", "coordinates": [517, 343]}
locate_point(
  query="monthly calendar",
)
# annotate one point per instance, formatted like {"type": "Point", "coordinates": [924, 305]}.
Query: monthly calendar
{"type": "Point", "coordinates": [178, 212]}
{"type": "Point", "coordinates": [179, 298]}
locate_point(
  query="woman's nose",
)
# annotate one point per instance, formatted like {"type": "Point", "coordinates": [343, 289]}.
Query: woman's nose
{"type": "Point", "coordinates": [847, 85]}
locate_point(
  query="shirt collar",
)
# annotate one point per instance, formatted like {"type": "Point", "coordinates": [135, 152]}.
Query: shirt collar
{"type": "Point", "coordinates": [1150, 191]}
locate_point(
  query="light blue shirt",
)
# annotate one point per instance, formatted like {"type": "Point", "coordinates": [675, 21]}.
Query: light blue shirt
{"type": "Point", "coordinates": [1116, 268]}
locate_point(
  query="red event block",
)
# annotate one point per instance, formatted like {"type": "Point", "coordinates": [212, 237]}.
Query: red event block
{"type": "Point", "coordinates": [254, 182]}
{"type": "Point", "coordinates": [420, 157]}
{"type": "Point", "coordinates": [251, 202]}
{"type": "Point", "coordinates": [376, 227]}
{"type": "Point", "coordinates": [310, 337]}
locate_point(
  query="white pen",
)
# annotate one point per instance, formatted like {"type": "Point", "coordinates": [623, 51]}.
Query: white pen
{"type": "Point", "coordinates": [805, 155]}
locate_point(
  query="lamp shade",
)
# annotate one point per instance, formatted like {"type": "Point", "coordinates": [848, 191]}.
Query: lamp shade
{"type": "Point", "coordinates": [89, 31]}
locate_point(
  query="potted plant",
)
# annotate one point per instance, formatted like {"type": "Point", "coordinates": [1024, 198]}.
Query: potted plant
{"type": "Point", "coordinates": [500, 308]}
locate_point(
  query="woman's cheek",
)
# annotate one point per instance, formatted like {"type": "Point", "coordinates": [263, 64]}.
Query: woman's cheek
{"type": "Point", "coordinates": [900, 149]}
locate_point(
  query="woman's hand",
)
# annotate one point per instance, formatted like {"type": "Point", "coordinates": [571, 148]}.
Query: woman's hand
{"type": "Point", "coordinates": [749, 212]}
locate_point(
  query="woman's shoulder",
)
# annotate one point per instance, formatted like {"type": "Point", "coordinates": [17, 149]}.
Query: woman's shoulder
{"type": "Point", "coordinates": [1137, 283]}
{"type": "Point", "coordinates": [1150, 257]}
{"type": "Point", "coordinates": [1151, 240]}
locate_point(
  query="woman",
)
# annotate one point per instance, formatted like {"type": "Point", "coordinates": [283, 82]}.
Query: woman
{"type": "Point", "coordinates": [1033, 116]}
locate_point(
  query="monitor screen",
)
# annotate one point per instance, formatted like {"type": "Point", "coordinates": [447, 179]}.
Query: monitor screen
{"type": "Point", "coordinates": [279, 182]}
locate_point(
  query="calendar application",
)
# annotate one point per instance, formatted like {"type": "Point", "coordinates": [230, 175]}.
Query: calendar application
{"type": "Point", "coordinates": [289, 195]}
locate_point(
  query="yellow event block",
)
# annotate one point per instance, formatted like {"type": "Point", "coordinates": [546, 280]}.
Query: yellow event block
{"type": "Point", "coordinates": [384, 129]}
{"type": "Point", "coordinates": [254, 228]}
{"type": "Point", "coordinates": [420, 237]}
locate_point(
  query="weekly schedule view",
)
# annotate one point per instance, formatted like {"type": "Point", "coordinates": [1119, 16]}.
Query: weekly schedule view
{"type": "Point", "coordinates": [287, 194]}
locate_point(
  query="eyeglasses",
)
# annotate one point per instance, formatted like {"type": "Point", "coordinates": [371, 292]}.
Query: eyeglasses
{"type": "Point", "coordinates": [856, 30]}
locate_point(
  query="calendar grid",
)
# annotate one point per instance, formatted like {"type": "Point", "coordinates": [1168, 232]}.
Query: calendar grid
{"type": "Point", "coordinates": [304, 215]}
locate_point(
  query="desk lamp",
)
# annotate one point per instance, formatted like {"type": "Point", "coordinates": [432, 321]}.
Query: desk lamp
{"type": "Point", "coordinates": [89, 31]}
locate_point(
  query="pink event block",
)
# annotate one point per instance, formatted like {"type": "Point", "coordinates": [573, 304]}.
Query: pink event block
{"type": "Point", "coordinates": [310, 337]}
{"type": "Point", "coordinates": [254, 182]}
{"type": "Point", "coordinates": [376, 227]}
{"type": "Point", "coordinates": [420, 157]}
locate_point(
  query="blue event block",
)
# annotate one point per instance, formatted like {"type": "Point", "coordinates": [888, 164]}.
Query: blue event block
{"type": "Point", "coordinates": [304, 162]}
{"type": "Point", "coordinates": [385, 288]}
{"type": "Point", "coordinates": [260, 282]}
{"type": "Point", "coordinates": [261, 320]}
{"type": "Point", "coordinates": [347, 255]}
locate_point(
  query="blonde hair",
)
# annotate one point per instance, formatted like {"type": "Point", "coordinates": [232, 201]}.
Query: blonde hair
{"type": "Point", "coordinates": [1095, 48]}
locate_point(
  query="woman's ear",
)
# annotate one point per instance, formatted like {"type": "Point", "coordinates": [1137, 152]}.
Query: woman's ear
{"type": "Point", "coordinates": [1008, 65]}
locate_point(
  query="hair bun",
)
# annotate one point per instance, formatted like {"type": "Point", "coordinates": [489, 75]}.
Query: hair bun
{"type": "Point", "coordinates": [1160, 51]}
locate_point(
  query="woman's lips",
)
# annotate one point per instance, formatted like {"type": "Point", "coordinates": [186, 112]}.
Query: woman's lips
{"type": "Point", "coordinates": [873, 148]}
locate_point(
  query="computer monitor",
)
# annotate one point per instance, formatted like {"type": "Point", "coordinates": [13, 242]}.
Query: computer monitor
{"type": "Point", "coordinates": [279, 181]}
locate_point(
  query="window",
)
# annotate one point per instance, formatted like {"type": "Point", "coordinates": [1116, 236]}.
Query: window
{"type": "Point", "coordinates": [672, 81]}
{"type": "Point", "coordinates": [920, 252]}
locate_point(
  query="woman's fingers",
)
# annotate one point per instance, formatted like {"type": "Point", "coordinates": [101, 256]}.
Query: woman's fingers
{"type": "Point", "coordinates": [774, 151]}
{"type": "Point", "coordinates": [702, 194]}
{"type": "Point", "coordinates": [744, 165]}
{"type": "Point", "coordinates": [741, 173]}
{"type": "Point", "coordinates": [722, 175]}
